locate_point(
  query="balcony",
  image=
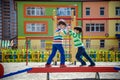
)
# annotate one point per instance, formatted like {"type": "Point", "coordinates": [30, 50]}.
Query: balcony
{"type": "Point", "coordinates": [117, 36]}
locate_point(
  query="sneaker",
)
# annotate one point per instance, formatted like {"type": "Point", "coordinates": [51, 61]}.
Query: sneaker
{"type": "Point", "coordinates": [48, 65]}
{"type": "Point", "coordinates": [62, 65]}
{"type": "Point", "coordinates": [91, 65]}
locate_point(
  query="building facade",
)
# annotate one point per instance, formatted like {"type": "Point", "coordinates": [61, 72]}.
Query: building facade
{"type": "Point", "coordinates": [35, 22]}
{"type": "Point", "coordinates": [114, 25]}
{"type": "Point", "coordinates": [8, 29]}
{"type": "Point", "coordinates": [100, 34]}
{"type": "Point", "coordinates": [8, 20]}
{"type": "Point", "coordinates": [94, 30]}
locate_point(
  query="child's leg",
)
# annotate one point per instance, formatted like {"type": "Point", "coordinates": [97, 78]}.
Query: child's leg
{"type": "Point", "coordinates": [79, 56]}
{"type": "Point", "coordinates": [54, 49]}
{"type": "Point", "coordinates": [88, 57]}
{"type": "Point", "coordinates": [62, 53]}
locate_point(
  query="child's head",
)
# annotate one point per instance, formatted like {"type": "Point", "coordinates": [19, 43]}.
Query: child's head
{"type": "Point", "coordinates": [62, 24]}
{"type": "Point", "coordinates": [78, 29]}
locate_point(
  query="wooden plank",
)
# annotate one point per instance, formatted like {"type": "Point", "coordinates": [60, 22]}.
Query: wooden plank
{"type": "Point", "coordinates": [72, 69]}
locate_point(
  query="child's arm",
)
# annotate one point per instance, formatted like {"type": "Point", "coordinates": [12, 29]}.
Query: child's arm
{"type": "Point", "coordinates": [71, 32]}
{"type": "Point", "coordinates": [63, 32]}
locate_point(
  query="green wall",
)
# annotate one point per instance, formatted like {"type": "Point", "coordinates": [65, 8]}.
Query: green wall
{"type": "Point", "coordinates": [49, 12]}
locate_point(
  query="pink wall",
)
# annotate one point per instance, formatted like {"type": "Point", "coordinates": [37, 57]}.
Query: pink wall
{"type": "Point", "coordinates": [95, 13]}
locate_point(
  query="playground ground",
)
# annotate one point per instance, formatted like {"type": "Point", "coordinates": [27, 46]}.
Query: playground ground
{"type": "Point", "coordinates": [12, 67]}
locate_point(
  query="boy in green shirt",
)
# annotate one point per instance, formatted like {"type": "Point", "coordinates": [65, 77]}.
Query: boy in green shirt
{"type": "Point", "coordinates": [76, 34]}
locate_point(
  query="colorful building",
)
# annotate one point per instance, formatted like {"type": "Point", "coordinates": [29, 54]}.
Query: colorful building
{"type": "Point", "coordinates": [94, 30]}
{"type": "Point", "coordinates": [100, 34]}
{"type": "Point", "coordinates": [114, 25]}
{"type": "Point", "coordinates": [36, 23]}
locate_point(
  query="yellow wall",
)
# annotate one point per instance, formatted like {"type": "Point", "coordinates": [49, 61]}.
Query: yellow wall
{"type": "Point", "coordinates": [112, 28]}
{"type": "Point", "coordinates": [111, 43]}
{"type": "Point", "coordinates": [35, 44]}
{"type": "Point", "coordinates": [95, 44]}
{"type": "Point", "coordinates": [112, 5]}
{"type": "Point", "coordinates": [112, 14]}
{"type": "Point", "coordinates": [21, 44]}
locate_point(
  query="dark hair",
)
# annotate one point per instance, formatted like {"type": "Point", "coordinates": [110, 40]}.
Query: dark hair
{"type": "Point", "coordinates": [78, 29]}
{"type": "Point", "coordinates": [61, 22]}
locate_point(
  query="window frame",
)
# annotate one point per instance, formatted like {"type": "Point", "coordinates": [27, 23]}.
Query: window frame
{"type": "Point", "coordinates": [66, 11]}
{"type": "Point", "coordinates": [92, 27]}
{"type": "Point", "coordinates": [88, 43]}
{"type": "Point", "coordinates": [36, 22]}
{"type": "Point", "coordinates": [102, 43]}
{"type": "Point", "coordinates": [87, 11]}
{"type": "Point", "coordinates": [102, 11]}
{"type": "Point", "coordinates": [117, 27]}
{"type": "Point", "coordinates": [42, 44]}
{"type": "Point", "coordinates": [49, 6]}
{"type": "Point", "coordinates": [117, 11]}
{"type": "Point", "coordinates": [35, 11]}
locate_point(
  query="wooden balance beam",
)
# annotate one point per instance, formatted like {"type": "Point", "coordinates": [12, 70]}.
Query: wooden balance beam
{"type": "Point", "coordinates": [96, 69]}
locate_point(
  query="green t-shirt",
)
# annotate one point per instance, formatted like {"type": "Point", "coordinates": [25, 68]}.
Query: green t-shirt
{"type": "Point", "coordinates": [76, 38]}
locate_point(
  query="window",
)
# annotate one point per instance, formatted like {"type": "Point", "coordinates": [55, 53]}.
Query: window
{"type": "Point", "coordinates": [117, 27]}
{"type": "Point", "coordinates": [87, 43]}
{"type": "Point", "coordinates": [87, 11]}
{"type": "Point", "coordinates": [65, 11]}
{"type": "Point", "coordinates": [102, 11]}
{"type": "Point", "coordinates": [117, 11]}
{"type": "Point", "coordinates": [102, 43]}
{"type": "Point", "coordinates": [35, 27]}
{"type": "Point", "coordinates": [94, 27]}
{"type": "Point", "coordinates": [42, 44]}
{"type": "Point", "coordinates": [35, 11]}
{"type": "Point", "coordinates": [88, 27]}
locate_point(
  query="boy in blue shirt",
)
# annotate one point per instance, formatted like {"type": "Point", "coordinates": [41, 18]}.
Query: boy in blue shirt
{"type": "Point", "coordinates": [57, 44]}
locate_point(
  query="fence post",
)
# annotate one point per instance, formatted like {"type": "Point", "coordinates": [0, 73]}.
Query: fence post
{"type": "Point", "coordinates": [42, 56]}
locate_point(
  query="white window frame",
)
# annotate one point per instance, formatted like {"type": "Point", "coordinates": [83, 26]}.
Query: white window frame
{"type": "Point", "coordinates": [35, 26]}
{"type": "Point", "coordinates": [64, 11]}
{"type": "Point", "coordinates": [94, 27]}
{"type": "Point", "coordinates": [117, 27]}
{"type": "Point", "coordinates": [35, 11]}
{"type": "Point", "coordinates": [102, 43]}
{"type": "Point", "coordinates": [102, 12]}
{"type": "Point", "coordinates": [87, 11]}
{"type": "Point", "coordinates": [88, 42]}
{"type": "Point", "coordinates": [42, 44]}
{"type": "Point", "coordinates": [117, 10]}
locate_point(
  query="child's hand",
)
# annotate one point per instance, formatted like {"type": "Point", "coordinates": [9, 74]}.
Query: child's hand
{"type": "Point", "coordinates": [58, 30]}
{"type": "Point", "coordinates": [68, 27]}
